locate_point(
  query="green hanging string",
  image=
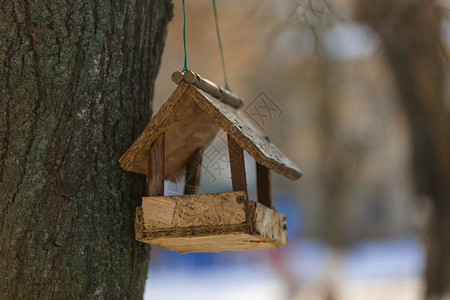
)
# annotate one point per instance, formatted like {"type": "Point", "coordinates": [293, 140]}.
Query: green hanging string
{"type": "Point", "coordinates": [220, 45]}
{"type": "Point", "coordinates": [185, 68]}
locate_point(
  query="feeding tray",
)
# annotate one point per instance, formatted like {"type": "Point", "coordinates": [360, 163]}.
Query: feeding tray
{"type": "Point", "coordinates": [173, 142]}
{"type": "Point", "coordinates": [209, 223]}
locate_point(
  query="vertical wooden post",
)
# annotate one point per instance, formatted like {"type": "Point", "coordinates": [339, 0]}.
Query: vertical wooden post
{"type": "Point", "coordinates": [155, 172]}
{"type": "Point", "coordinates": [193, 168]}
{"type": "Point", "coordinates": [264, 185]}
{"type": "Point", "coordinates": [237, 165]}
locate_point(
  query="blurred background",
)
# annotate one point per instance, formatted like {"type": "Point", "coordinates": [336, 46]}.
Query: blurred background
{"type": "Point", "coordinates": [355, 92]}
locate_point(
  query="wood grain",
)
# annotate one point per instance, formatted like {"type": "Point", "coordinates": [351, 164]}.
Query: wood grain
{"type": "Point", "coordinates": [187, 128]}
{"type": "Point", "coordinates": [209, 223]}
{"type": "Point", "coordinates": [246, 135]}
{"type": "Point", "coordinates": [213, 243]}
{"type": "Point", "coordinates": [155, 175]}
{"type": "Point", "coordinates": [237, 165]}
{"type": "Point", "coordinates": [193, 210]}
{"type": "Point", "coordinates": [191, 119]}
{"type": "Point", "coordinates": [270, 224]}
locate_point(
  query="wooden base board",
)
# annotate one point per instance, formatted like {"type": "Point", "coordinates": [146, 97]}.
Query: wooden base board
{"type": "Point", "coordinates": [209, 223]}
{"type": "Point", "coordinates": [214, 243]}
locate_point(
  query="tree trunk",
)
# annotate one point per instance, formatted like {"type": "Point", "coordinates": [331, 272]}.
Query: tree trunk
{"type": "Point", "coordinates": [410, 34]}
{"type": "Point", "coordinates": [76, 83]}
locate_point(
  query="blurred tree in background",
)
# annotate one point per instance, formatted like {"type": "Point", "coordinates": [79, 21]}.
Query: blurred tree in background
{"type": "Point", "coordinates": [334, 68]}
{"type": "Point", "coordinates": [410, 34]}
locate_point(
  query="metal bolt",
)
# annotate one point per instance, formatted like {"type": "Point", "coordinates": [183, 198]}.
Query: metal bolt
{"type": "Point", "coordinates": [240, 199]}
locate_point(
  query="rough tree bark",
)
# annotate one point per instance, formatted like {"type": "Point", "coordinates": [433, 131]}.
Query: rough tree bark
{"type": "Point", "coordinates": [76, 83]}
{"type": "Point", "coordinates": [410, 35]}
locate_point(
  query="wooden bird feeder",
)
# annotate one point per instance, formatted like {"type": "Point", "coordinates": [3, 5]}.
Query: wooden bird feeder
{"type": "Point", "coordinates": [173, 142]}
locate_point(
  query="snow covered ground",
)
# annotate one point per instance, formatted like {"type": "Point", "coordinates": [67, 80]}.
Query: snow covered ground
{"type": "Point", "coordinates": [386, 269]}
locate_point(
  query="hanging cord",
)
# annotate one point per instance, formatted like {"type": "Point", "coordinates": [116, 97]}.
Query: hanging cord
{"type": "Point", "coordinates": [185, 68]}
{"type": "Point", "coordinates": [227, 87]}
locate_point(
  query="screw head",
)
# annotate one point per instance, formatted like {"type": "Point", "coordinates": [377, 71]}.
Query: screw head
{"type": "Point", "coordinates": [240, 199]}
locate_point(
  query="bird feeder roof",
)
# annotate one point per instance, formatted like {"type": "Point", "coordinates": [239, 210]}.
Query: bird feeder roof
{"type": "Point", "coordinates": [191, 119]}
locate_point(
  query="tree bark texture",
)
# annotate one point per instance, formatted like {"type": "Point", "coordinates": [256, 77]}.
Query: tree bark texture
{"type": "Point", "coordinates": [410, 35]}
{"type": "Point", "coordinates": [76, 83]}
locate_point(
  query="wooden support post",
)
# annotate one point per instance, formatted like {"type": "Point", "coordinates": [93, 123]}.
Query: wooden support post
{"type": "Point", "coordinates": [237, 165]}
{"type": "Point", "coordinates": [155, 172]}
{"type": "Point", "coordinates": [264, 185]}
{"type": "Point", "coordinates": [193, 168]}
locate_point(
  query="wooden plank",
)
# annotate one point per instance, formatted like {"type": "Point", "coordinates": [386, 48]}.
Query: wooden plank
{"type": "Point", "coordinates": [193, 169]}
{"type": "Point", "coordinates": [246, 135]}
{"type": "Point", "coordinates": [155, 175]}
{"type": "Point", "coordinates": [264, 185]}
{"type": "Point", "coordinates": [270, 224]}
{"type": "Point", "coordinates": [237, 165]}
{"type": "Point", "coordinates": [160, 209]}
{"type": "Point", "coordinates": [214, 243]}
{"type": "Point", "coordinates": [194, 210]}
{"type": "Point", "coordinates": [182, 225]}
{"type": "Point", "coordinates": [187, 129]}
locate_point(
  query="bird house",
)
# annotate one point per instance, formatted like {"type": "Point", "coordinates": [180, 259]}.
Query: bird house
{"type": "Point", "coordinates": [173, 142]}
